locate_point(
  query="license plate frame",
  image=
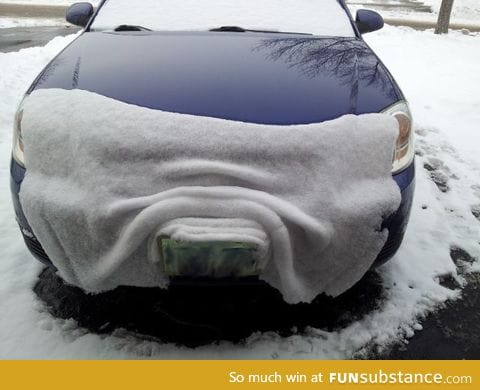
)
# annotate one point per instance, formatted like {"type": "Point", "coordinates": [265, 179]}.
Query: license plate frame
{"type": "Point", "coordinates": [214, 259]}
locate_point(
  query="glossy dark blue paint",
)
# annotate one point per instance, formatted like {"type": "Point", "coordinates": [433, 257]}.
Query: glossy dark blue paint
{"type": "Point", "coordinates": [252, 77]}
{"type": "Point", "coordinates": [79, 14]}
{"type": "Point", "coordinates": [368, 21]}
{"type": "Point", "coordinates": [17, 174]}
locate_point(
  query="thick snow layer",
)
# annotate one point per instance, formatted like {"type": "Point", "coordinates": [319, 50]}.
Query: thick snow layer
{"type": "Point", "coordinates": [440, 90]}
{"type": "Point", "coordinates": [324, 17]}
{"type": "Point", "coordinates": [325, 201]}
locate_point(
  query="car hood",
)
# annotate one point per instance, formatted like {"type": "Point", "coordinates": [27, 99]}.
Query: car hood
{"type": "Point", "coordinates": [252, 77]}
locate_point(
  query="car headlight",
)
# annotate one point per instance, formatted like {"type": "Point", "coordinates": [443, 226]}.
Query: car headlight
{"type": "Point", "coordinates": [404, 148]}
{"type": "Point", "coordinates": [17, 138]}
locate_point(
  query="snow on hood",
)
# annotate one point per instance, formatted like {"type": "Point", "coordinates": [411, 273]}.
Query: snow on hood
{"type": "Point", "coordinates": [104, 178]}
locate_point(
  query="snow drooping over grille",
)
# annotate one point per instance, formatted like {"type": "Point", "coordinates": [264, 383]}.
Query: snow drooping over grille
{"type": "Point", "coordinates": [325, 17]}
{"type": "Point", "coordinates": [103, 177]}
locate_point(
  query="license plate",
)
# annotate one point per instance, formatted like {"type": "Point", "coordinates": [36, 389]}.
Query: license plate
{"type": "Point", "coordinates": [216, 259]}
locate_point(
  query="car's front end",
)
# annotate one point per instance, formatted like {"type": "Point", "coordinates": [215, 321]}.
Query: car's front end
{"type": "Point", "coordinates": [249, 76]}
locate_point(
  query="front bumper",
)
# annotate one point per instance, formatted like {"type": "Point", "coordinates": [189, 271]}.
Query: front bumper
{"type": "Point", "coordinates": [396, 223]}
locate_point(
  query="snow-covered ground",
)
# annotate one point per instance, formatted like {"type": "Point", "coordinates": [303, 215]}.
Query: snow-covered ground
{"type": "Point", "coordinates": [31, 22]}
{"type": "Point", "coordinates": [463, 12]}
{"type": "Point", "coordinates": [438, 75]}
{"type": "Point", "coordinates": [46, 2]}
{"type": "Point", "coordinates": [10, 22]}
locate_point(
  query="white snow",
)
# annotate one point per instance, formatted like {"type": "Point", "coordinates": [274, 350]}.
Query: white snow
{"type": "Point", "coordinates": [307, 16]}
{"type": "Point", "coordinates": [467, 11]}
{"type": "Point", "coordinates": [31, 22]}
{"type": "Point", "coordinates": [446, 96]}
{"type": "Point", "coordinates": [11, 22]}
{"type": "Point", "coordinates": [308, 210]}
{"type": "Point", "coordinates": [437, 73]}
{"type": "Point", "coordinates": [46, 2]}
{"type": "Point", "coordinates": [463, 12]}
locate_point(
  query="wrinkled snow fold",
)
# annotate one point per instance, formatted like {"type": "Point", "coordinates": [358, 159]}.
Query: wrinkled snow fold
{"type": "Point", "coordinates": [104, 177]}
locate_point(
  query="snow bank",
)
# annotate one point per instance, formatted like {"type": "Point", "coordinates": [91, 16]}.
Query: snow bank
{"type": "Point", "coordinates": [324, 17]}
{"type": "Point", "coordinates": [320, 192]}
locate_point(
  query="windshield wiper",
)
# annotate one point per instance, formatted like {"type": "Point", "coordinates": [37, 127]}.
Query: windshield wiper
{"type": "Point", "coordinates": [129, 27]}
{"type": "Point", "coordinates": [242, 30]}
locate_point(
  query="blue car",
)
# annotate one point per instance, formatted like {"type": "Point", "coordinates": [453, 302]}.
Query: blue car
{"type": "Point", "coordinates": [292, 75]}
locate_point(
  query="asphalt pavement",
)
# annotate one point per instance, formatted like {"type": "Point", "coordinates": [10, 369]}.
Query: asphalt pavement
{"type": "Point", "coordinates": [14, 39]}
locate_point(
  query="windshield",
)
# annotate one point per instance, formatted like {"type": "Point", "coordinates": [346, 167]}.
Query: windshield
{"type": "Point", "coordinates": [318, 17]}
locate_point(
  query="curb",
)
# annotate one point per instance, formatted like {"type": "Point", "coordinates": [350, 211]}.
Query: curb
{"type": "Point", "coordinates": [425, 24]}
